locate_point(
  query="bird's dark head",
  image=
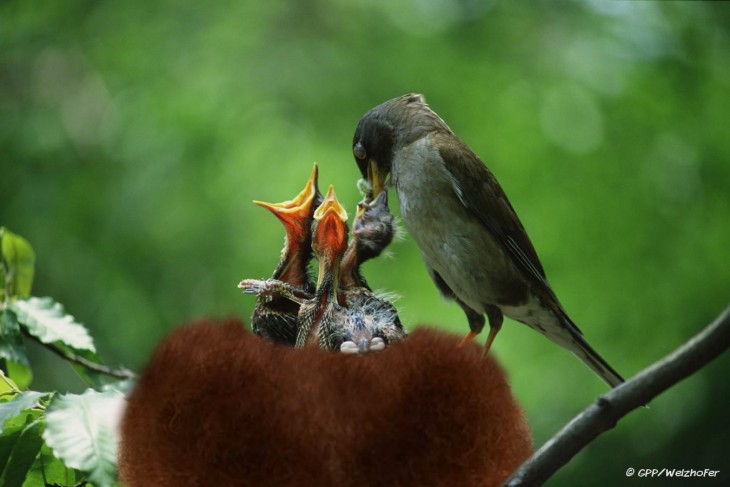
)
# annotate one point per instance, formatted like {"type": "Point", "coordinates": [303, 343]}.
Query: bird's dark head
{"type": "Point", "coordinates": [385, 129]}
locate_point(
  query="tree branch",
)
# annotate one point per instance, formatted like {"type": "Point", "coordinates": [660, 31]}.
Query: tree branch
{"type": "Point", "coordinates": [121, 373]}
{"type": "Point", "coordinates": [603, 414]}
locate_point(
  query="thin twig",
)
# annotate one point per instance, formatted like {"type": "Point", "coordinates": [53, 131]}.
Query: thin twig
{"type": "Point", "coordinates": [603, 414]}
{"type": "Point", "coordinates": [121, 373]}
{"type": "Point", "coordinates": [13, 389]}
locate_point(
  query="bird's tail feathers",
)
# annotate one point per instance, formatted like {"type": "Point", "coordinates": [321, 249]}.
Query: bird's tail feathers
{"type": "Point", "coordinates": [568, 335]}
{"type": "Point", "coordinates": [582, 349]}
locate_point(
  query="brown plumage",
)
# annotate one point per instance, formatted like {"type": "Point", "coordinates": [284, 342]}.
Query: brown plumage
{"type": "Point", "coordinates": [217, 406]}
{"type": "Point", "coordinates": [474, 246]}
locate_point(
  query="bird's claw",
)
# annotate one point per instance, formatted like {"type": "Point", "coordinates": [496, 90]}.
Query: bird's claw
{"type": "Point", "coordinates": [253, 286]}
{"type": "Point", "coordinates": [349, 347]}
{"type": "Point", "coordinates": [377, 344]}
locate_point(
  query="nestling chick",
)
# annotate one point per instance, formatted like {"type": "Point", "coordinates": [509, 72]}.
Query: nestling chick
{"type": "Point", "coordinates": [320, 318]}
{"type": "Point", "coordinates": [372, 322]}
{"type": "Point", "coordinates": [274, 317]}
{"type": "Point", "coordinates": [343, 313]}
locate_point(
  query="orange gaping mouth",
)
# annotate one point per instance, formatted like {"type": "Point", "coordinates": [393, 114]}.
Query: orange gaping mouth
{"type": "Point", "coordinates": [331, 218]}
{"type": "Point", "coordinates": [295, 212]}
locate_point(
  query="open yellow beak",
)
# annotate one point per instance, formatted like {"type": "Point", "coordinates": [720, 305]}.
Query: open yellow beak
{"type": "Point", "coordinates": [294, 212]}
{"type": "Point", "coordinates": [331, 220]}
{"type": "Point", "coordinates": [361, 207]}
{"type": "Point", "coordinates": [330, 205]}
{"type": "Point", "coordinates": [380, 200]}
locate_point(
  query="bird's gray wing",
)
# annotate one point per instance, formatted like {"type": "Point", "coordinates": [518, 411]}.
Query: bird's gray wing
{"type": "Point", "coordinates": [479, 191]}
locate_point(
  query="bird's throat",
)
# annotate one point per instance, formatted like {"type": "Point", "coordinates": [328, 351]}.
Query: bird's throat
{"type": "Point", "coordinates": [328, 278]}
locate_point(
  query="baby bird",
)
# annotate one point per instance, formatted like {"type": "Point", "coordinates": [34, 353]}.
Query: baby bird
{"type": "Point", "coordinates": [372, 322]}
{"type": "Point", "coordinates": [275, 317]}
{"type": "Point", "coordinates": [342, 313]}
{"type": "Point", "coordinates": [320, 314]}
{"type": "Point", "coordinates": [319, 317]}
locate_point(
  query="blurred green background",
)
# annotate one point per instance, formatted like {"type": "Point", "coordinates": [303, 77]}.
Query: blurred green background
{"type": "Point", "coordinates": [134, 135]}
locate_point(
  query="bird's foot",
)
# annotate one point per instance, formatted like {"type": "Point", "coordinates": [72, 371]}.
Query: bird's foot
{"type": "Point", "coordinates": [349, 347]}
{"type": "Point", "coordinates": [252, 286]}
{"type": "Point", "coordinates": [377, 344]}
{"type": "Point", "coordinates": [467, 339]}
{"type": "Point", "coordinates": [272, 287]}
{"type": "Point", "coordinates": [493, 330]}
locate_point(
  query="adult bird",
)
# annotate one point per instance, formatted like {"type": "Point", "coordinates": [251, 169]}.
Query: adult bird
{"type": "Point", "coordinates": [474, 245]}
{"type": "Point", "coordinates": [275, 317]}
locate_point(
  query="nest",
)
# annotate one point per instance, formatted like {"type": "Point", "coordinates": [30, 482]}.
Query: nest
{"type": "Point", "coordinates": [219, 405]}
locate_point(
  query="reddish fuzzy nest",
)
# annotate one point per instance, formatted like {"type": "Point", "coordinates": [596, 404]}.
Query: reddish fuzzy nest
{"type": "Point", "coordinates": [219, 406]}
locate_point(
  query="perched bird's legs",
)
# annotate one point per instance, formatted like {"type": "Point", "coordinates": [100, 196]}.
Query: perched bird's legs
{"type": "Point", "coordinates": [495, 324]}
{"type": "Point", "coordinates": [476, 321]}
{"type": "Point", "coordinates": [476, 324]}
{"type": "Point", "coordinates": [467, 339]}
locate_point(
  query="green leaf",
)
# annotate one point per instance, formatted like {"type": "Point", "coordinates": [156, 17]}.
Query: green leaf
{"type": "Point", "coordinates": [18, 261]}
{"type": "Point", "coordinates": [23, 455]}
{"type": "Point", "coordinates": [14, 407]}
{"type": "Point", "coordinates": [21, 374]}
{"type": "Point", "coordinates": [11, 340]}
{"type": "Point", "coordinates": [47, 320]}
{"type": "Point", "coordinates": [7, 385]}
{"type": "Point", "coordinates": [82, 431]}
{"type": "Point", "coordinates": [49, 470]}
{"type": "Point", "coordinates": [11, 433]}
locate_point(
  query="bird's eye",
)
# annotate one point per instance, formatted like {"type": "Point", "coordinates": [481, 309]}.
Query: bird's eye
{"type": "Point", "coordinates": [359, 151]}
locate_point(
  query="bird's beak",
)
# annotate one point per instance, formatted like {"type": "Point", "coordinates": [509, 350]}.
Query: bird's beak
{"type": "Point", "coordinates": [380, 200]}
{"type": "Point", "coordinates": [361, 207]}
{"type": "Point", "coordinates": [331, 218]}
{"type": "Point", "coordinates": [295, 212]}
{"type": "Point", "coordinates": [376, 177]}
